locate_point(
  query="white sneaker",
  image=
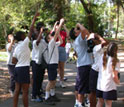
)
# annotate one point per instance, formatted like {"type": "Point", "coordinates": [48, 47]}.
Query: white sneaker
{"type": "Point", "coordinates": [62, 84]}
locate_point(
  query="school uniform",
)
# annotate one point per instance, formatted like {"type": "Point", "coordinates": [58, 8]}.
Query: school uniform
{"type": "Point", "coordinates": [11, 66]}
{"type": "Point", "coordinates": [84, 62]}
{"type": "Point", "coordinates": [37, 69]}
{"type": "Point", "coordinates": [53, 59]}
{"type": "Point", "coordinates": [22, 54]}
{"type": "Point", "coordinates": [97, 52]}
{"type": "Point", "coordinates": [106, 87]}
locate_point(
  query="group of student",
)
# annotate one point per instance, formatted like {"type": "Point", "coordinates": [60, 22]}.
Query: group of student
{"type": "Point", "coordinates": [19, 61]}
{"type": "Point", "coordinates": [98, 68]}
{"type": "Point", "coordinates": [97, 71]}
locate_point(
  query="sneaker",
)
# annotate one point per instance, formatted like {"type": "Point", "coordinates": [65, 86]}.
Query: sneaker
{"type": "Point", "coordinates": [39, 98]}
{"type": "Point", "coordinates": [65, 79]}
{"type": "Point", "coordinates": [11, 93]}
{"type": "Point", "coordinates": [33, 98]}
{"type": "Point", "coordinates": [76, 105]}
{"type": "Point", "coordinates": [55, 98]}
{"type": "Point", "coordinates": [87, 102]}
{"type": "Point", "coordinates": [49, 101]}
{"type": "Point", "coordinates": [62, 84]}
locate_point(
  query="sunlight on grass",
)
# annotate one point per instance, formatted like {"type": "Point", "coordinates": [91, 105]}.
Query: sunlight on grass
{"type": "Point", "coordinates": [3, 56]}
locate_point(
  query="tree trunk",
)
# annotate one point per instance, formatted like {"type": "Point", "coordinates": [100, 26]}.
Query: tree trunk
{"type": "Point", "coordinates": [117, 22]}
{"type": "Point", "coordinates": [89, 16]}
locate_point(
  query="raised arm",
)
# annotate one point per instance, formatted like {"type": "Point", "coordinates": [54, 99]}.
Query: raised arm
{"type": "Point", "coordinates": [66, 30]}
{"type": "Point", "coordinates": [84, 31]}
{"type": "Point", "coordinates": [60, 39]}
{"type": "Point", "coordinates": [102, 40]}
{"type": "Point", "coordinates": [54, 27]}
{"type": "Point", "coordinates": [11, 43]}
{"type": "Point", "coordinates": [32, 25]}
{"type": "Point", "coordinates": [59, 28]}
{"type": "Point", "coordinates": [39, 36]}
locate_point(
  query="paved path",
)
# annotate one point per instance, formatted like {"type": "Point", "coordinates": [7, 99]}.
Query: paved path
{"type": "Point", "coordinates": [67, 94]}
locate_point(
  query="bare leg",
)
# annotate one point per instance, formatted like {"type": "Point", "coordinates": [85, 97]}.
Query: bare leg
{"type": "Point", "coordinates": [16, 94]}
{"type": "Point", "coordinates": [25, 88]}
{"type": "Point", "coordinates": [80, 98]}
{"type": "Point", "coordinates": [108, 103]}
{"type": "Point", "coordinates": [100, 102]}
{"type": "Point", "coordinates": [61, 70]}
{"type": "Point", "coordinates": [92, 98]}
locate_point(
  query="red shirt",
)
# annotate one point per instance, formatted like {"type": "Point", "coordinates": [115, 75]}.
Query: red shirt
{"type": "Point", "coordinates": [63, 35]}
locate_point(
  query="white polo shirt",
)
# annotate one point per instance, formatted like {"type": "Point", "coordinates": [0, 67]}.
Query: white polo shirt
{"type": "Point", "coordinates": [22, 53]}
{"type": "Point", "coordinates": [97, 52]}
{"type": "Point", "coordinates": [53, 46]}
{"type": "Point", "coordinates": [10, 53]}
{"type": "Point", "coordinates": [105, 80]}
{"type": "Point", "coordinates": [38, 50]}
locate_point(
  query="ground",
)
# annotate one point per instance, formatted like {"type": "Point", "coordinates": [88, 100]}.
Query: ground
{"type": "Point", "coordinates": [4, 85]}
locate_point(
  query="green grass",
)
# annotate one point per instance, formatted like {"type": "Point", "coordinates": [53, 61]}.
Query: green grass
{"type": "Point", "coordinates": [3, 56]}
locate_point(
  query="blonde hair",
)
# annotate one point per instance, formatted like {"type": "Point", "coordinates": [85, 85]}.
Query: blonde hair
{"type": "Point", "coordinates": [112, 52]}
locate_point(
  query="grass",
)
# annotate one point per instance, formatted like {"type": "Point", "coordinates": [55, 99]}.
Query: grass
{"type": "Point", "coordinates": [3, 56]}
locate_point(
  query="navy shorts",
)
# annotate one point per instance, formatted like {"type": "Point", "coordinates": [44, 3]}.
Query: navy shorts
{"type": "Point", "coordinates": [82, 79]}
{"type": "Point", "coordinates": [62, 54]}
{"type": "Point", "coordinates": [52, 71]}
{"type": "Point", "coordinates": [22, 74]}
{"type": "Point", "coordinates": [109, 95]}
{"type": "Point", "coordinates": [93, 80]}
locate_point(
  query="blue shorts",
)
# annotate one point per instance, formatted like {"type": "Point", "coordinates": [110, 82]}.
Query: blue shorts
{"type": "Point", "coordinates": [52, 71]}
{"type": "Point", "coordinates": [93, 80]}
{"type": "Point", "coordinates": [109, 95]}
{"type": "Point", "coordinates": [82, 79]}
{"type": "Point", "coordinates": [22, 74]}
{"type": "Point", "coordinates": [62, 54]}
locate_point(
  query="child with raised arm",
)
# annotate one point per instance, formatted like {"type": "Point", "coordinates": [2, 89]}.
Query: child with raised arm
{"type": "Point", "coordinates": [50, 96]}
{"type": "Point", "coordinates": [108, 76]}
{"type": "Point", "coordinates": [97, 49]}
{"type": "Point", "coordinates": [10, 49]}
{"type": "Point", "coordinates": [21, 57]}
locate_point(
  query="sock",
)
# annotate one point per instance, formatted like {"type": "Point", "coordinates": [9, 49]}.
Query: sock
{"type": "Point", "coordinates": [47, 95]}
{"type": "Point", "coordinates": [52, 92]}
{"type": "Point", "coordinates": [76, 102]}
{"type": "Point", "coordinates": [80, 104]}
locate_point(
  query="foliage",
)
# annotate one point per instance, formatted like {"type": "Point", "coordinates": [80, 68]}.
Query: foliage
{"type": "Point", "coordinates": [17, 14]}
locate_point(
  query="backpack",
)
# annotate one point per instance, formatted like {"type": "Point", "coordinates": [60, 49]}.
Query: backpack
{"type": "Point", "coordinates": [44, 58]}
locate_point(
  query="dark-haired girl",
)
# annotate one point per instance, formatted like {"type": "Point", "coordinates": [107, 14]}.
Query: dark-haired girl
{"type": "Point", "coordinates": [21, 57]}
{"type": "Point", "coordinates": [108, 76]}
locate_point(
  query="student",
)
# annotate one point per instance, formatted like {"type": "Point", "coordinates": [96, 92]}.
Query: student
{"type": "Point", "coordinates": [38, 70]}
{"type": "Point", "coordinates": [62, 53]}
{"type": "Point", "coordinates": [99, 43]}
{"type": "Point", "coordinates": [50, 96]}
{"type": "Point", "coordinates": [10, 49]}
{"type": "Point", "coordinates": [21, 57]}
{"type": "Point", "coordinates": [108, 76]}
{"type": "Point", "coordinates": [84, 61]}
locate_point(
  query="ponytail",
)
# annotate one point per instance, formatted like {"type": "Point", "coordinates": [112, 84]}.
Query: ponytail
{"type": "Point", "coordinates": [104, 60]}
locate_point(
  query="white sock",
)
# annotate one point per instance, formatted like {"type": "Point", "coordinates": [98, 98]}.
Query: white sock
{"type": "Point", "coordinates": [47, 95]}
{"type": "Point", "coordinates": [79, 104]}
{"type": "Point", "coordinates": [76, 102]}
{"type": "Point", "coordinates": [52, 92]}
